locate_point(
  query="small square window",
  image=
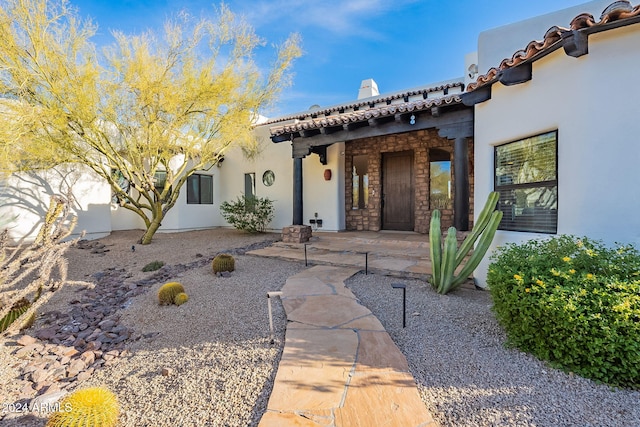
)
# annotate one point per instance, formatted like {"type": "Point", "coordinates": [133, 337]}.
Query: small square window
{"type": "Point", "coordinates": [200, 189]}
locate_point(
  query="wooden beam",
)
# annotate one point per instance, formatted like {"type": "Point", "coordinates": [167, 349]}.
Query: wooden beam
{"type": "Point", "coordinates": [482, 94]}
{"type": "Point", "coordinates": [330, 130]}
{"type": "Point", "coordinates": [321, 151]}
{"type": "Point", "coordinates": [456, 130]}
{"type": "Point", "coordinates": [464, 117]}
{"type": "Point", "coordinates": [575, 43]}
{"type": "Point", "coordinates": [309, 133]}
{"type": "Point", "coordinates": [515, 75]}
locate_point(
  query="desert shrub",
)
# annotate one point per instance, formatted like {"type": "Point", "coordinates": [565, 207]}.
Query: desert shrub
{"type": "Point", "coordinates": [573, 302]}
{"type": "Point", "coordinates": [153, 266]}
{"type": "Point", "coordinates": [91, 407]}
{"type": "Point", "coordinates": [223, 262]}
{"type": "Point", "coordinates": [167, 292]}
{"type": "Point", "coordinates": [251, 214]}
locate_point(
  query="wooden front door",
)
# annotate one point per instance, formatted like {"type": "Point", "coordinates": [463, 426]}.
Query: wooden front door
{"type": "Point", "coordinates": [397, 191]}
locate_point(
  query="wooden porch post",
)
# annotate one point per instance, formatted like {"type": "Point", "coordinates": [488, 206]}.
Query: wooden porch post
{"type": "Point", "coordinates": [461, 170]}
{"type": "Point", "coordinates": [297, 191]}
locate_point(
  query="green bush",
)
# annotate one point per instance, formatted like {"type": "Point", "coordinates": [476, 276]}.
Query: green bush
{"type": "Point", "coordinates": [573, 302]}
{"type": "Point", "coordinates": [250, 214]}
{"type": "Point", "coordinates": [153, 266]}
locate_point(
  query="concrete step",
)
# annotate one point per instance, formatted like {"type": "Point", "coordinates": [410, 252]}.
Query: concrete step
{"type": "Point", "coordinates": [376, 261]}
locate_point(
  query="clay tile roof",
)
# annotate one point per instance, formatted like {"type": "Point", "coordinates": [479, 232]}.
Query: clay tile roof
{"type": "Point", "coordinates": [362, 115]}
{"type": "Point", "coordinates": [366, 103]}
{"type": "Point", "coordinates": [615, 12]}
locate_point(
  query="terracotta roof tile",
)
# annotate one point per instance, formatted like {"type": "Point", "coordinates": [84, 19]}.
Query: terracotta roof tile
{"type": "Point", "coordinates": [312, 114]}
{"type": "Point", "coordinates": [616, 11]}
{"type": "Point", "coordinates": [362, 115]}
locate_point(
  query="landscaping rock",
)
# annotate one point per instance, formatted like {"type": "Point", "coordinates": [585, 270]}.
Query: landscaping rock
{"type": "Point", "coordinates": [26, 340]}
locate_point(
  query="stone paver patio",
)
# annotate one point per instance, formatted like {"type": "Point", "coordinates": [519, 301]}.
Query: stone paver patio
{"type": "Point", "coordinates": [339, 366]}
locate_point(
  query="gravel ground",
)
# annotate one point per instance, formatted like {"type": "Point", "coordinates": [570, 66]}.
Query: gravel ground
{"type": "Point", "coordinates": [215, 349]}
{"type": "Point", "coordinates": [220, 366]}
{"type": "Point", "coordinates": [466, 376]}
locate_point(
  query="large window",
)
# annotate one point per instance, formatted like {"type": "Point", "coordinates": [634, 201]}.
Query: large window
{"type": "Point", "coordinates": [526, 176]}
{"type": "Point", "coordinates": [360, 182]}
{"type": "Point", "coordinates": [200, 189]}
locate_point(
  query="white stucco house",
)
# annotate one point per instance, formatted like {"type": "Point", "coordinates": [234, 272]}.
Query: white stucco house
{"type": "Point", "coordinates": [552, 127]}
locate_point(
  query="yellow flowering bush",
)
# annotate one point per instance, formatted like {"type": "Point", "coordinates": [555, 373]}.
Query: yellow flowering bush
{"type": "Point", "coordinates": [572, 302]}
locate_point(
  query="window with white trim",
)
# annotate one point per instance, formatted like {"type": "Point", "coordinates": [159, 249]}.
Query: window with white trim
{"type": "Point", "coordinates": [526, 176]}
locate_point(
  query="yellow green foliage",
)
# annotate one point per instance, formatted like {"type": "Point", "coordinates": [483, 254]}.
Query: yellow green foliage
{"type": "Point", "coordinates": [194, 90]}
{"type": "Point", "coordinates": [167, 292]}
{"type": "Point", "coordinates": [91, 407]}
{"type": "Point", "coordinates": [181, 298]}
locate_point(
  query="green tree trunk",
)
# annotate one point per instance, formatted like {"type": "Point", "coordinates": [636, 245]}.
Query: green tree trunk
{"type": "Point", "coordinates": [148, 234]}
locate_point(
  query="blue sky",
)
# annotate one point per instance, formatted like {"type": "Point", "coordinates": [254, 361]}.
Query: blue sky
{"type": "Point", "coordinates": [399, 43]}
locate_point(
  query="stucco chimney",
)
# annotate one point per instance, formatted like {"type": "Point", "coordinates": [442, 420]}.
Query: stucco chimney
{"type": "Point", "coordinates": [368, 88]}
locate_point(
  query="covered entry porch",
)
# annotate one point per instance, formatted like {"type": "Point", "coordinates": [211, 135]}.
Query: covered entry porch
{"type": "Point", "coordinates": [404, 156]}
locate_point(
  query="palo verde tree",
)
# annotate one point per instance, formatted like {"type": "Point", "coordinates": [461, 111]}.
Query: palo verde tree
{"type": "Point", "coordinates": [145, 106]}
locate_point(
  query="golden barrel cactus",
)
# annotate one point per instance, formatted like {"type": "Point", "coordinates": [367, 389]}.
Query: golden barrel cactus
{"type": "Point", "coordinates": [181, 298]}
{"type": "Point", "coordinates": [167, 292]}
{"type": "Point", "coordinates": [223, 262]}
{"type": "Point", "coordinates": [91, 407]}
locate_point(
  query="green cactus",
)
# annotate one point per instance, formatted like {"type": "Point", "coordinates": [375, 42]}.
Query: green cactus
{"type": "Point", "coordinates": [446, 259]}
{"type": "Point", "coordinates": [223, 262]}
{"type": "Point", "coordinates": [181, 298]}
{"type": "Point", "coordinates": [167, 292]}
{"type": "Point", "coordinates": [18, 309]}
{"type": "Point", "coordinates": [91, 407]}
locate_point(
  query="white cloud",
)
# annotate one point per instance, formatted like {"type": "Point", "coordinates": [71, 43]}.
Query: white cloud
{"type": "Point", "coordinates": [338, 17]}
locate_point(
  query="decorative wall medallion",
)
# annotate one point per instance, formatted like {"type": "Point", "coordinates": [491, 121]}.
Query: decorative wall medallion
{"type": "Point", "coordinates": [268, 177]}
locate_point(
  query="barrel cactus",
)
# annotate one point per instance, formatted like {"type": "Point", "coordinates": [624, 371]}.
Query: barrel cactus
{"type": "Point", "coordinates": [223, 262]}
{"type": "Point", "coordinates": [167, 292]}
{"type": "Point", "coordinates": [445, 258]}
{"type": "Point", "coordinates": [181, 298]}
{"type": "Point", "coordinates": [91, 407]}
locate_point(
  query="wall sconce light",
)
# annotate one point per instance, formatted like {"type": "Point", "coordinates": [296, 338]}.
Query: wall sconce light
{"type": "Point", "coordinates": [327, 174]}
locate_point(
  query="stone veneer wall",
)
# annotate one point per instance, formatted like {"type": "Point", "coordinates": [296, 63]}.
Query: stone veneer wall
{"type": "Point", "coordinates": [420, 142]}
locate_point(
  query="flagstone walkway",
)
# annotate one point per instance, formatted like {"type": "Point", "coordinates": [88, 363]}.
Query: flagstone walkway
{"type": "Point", "coordinates": [339, 366]}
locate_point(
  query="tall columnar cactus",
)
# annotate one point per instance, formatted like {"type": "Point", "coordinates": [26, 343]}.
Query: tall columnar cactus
{"type": "Point", "coordinates": [17, 310]}
{"type": "Point", "coordinates": [91, 407]}
{"type": "Point", "coordinates": [446, 258]}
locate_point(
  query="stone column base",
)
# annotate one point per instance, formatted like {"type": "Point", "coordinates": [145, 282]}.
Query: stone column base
{"type": "Point", "coordinates": [296, 234]}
